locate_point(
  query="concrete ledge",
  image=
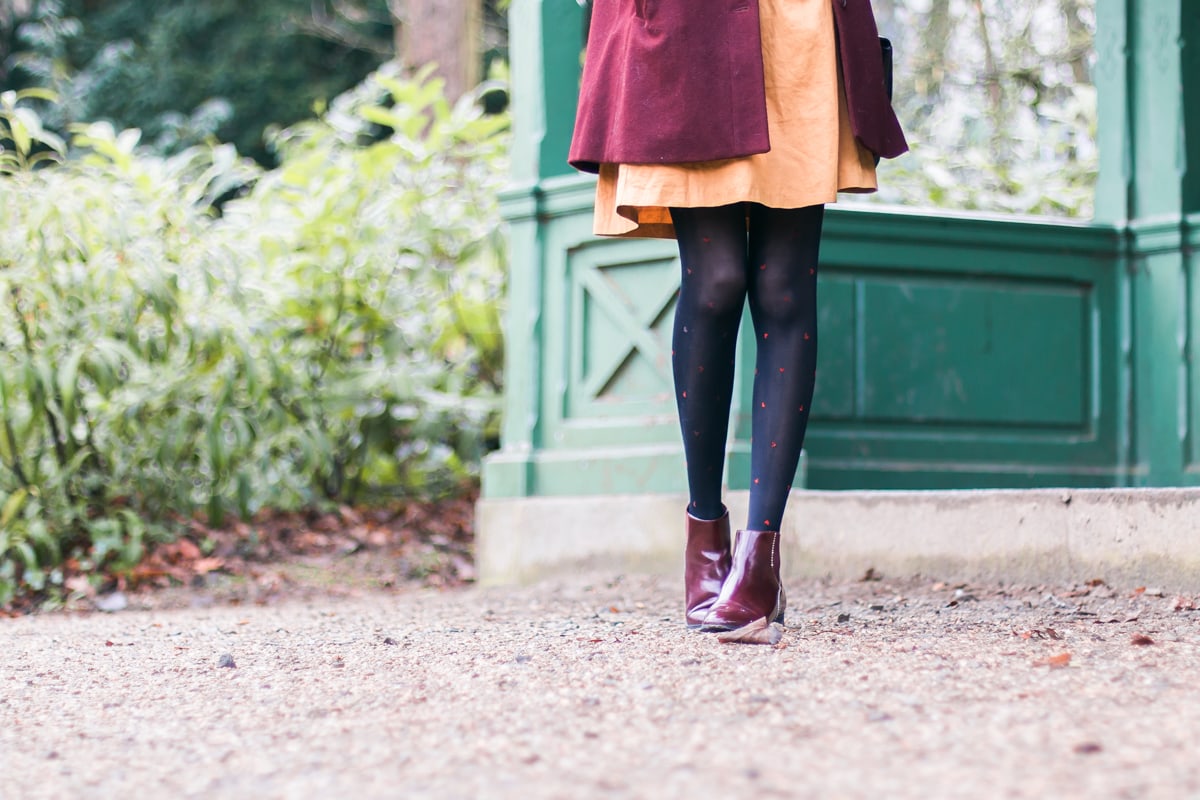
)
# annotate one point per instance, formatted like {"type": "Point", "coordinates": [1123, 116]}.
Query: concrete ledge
{"type": "Point", "coordinates": [1126, 537]}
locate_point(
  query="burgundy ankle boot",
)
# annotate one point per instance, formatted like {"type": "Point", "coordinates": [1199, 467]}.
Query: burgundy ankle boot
{"type": "Point", "coordinates": [706, 563]}
{"type": "Point", "coordinates": [753, 589]}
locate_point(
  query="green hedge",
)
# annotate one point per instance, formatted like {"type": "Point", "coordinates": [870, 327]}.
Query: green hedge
{"type": "Point", "coordinates": [193, 335]}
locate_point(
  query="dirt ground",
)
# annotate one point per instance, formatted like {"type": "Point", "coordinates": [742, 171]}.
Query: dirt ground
{"type": "Point", "coordinates": [591, 687]}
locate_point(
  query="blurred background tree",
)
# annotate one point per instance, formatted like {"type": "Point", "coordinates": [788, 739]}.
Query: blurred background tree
{"type": "Point", "coordinates": [182, 72]}
{"type": "Point", "coordinates": [998, 101]}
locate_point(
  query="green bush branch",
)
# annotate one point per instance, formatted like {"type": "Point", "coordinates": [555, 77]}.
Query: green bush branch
{"type": "Point", "coordinates": [315, 340]}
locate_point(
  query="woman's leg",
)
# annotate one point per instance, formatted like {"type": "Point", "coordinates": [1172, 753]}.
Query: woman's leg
{"type": "Point", "coordinates": [784, 245]}
{"type": "Point", "coordinates": [782, 287]}
{"type": "Point", "coordinates": [712, 294]}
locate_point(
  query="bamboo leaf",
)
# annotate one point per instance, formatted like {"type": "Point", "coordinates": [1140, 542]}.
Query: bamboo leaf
{"type": "Point", "coordinates": [11, 508]}
{"type": "Point", "coordinates": [20, 134]}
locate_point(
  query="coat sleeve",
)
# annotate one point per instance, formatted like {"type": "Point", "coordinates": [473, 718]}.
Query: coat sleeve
{"type": "Point", "coordinates": [872, 118]}
{"type": "Point", "coordinates": [665, 84]}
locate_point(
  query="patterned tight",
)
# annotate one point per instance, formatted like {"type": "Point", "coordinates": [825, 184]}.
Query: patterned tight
{"type": "Point", "coordinates": [774, 264]}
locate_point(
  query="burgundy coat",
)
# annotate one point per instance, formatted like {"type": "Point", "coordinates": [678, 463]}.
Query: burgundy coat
{"type": "Point", "coordinates": [665, 83]}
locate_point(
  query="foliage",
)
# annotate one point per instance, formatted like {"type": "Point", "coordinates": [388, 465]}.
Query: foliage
{"type": "Point", "coordinates": [329, 336]}
{"type": "Point", "coordinates": [24, 140]}
{"type": "Point", "coordinates": [185, 72]}
{"type": "Point", "coordinates": [998, 104]}
{"type": "Point", "coordinates": [182, 72]}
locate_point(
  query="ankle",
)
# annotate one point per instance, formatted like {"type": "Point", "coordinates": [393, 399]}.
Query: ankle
{"type": "Point", "coordinates": [706, 513]}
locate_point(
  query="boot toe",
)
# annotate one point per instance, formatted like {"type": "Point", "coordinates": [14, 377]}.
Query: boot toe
{"type": "Point", "coordinates": [731, 616]}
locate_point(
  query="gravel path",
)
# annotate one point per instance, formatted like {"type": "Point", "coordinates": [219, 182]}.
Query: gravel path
{"type": "Point", "coordinates": [592, 688]}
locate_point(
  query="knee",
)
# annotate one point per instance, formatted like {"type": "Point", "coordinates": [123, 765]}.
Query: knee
{"type": "Point", "coordinates": [784, 308]}
{"type": "Point", "coordinates": [718, 294]}
{"type": "Point", "coordinates": [778, 297]}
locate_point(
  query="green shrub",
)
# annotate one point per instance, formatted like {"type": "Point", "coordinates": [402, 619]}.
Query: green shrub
{"type": "Point", "coordinates": [330, 335]}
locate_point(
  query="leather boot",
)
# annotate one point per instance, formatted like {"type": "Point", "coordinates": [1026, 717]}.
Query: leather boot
{"type": "Point", "coordinates": [753, 589]}
{"type": "Point", "coordinates": [706, 563]}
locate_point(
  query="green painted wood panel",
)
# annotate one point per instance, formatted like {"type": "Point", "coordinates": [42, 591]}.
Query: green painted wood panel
{"type": "Point", "coordinates": [606, 378]}
{"type": "Point", "coordinates": [1114, 138]}
{"type": "Point", "coordinates": [974, 351]}
{"type": "Point", "coordinates": [620, 334]}
{"type": "Point", "coordinates": [1161, 323]}
{"type": "Point", "coordinates": [545, 42]}
{"type": "Point", "coordinates": [1190, 70]}
{"type": "Point", "coordinates": [837, 362]}
{"type": "Point", "coordinates": [953, 350]}
{"type": "Point", "coordinates": [1191, 349]}
{"type": "Point", "coordinates": [985, 352]}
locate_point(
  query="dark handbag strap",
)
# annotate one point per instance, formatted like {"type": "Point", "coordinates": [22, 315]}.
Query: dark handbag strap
{"type": "Point", "coordinates": [885, 47]}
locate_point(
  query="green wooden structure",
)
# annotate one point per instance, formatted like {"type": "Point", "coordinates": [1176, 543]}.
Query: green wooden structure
{"type": "Point", "coordinates": [956, 351]}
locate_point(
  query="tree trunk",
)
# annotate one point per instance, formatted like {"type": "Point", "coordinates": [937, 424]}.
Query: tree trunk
{"type": "Point", "coordinates": [930, 60]}
{"type": "Point", "coordinates": [1079, 40]}
{"type": "Point", "coordinates": [445, 32]}
{"type": "Point", "coordinates": [991, 75]}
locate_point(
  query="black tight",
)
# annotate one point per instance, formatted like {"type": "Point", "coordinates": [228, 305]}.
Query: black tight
{"type": "Point", "coordinates": [774, 264]}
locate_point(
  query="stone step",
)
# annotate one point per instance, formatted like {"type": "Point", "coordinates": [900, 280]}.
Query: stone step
{"type": "Point", "coordinates": [1126, 537]}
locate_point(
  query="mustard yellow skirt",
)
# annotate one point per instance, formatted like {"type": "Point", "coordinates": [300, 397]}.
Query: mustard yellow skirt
{"type": "Point", "coordinates": [813, 155]}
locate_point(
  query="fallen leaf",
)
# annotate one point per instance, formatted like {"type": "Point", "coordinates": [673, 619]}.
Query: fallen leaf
{"type": "Point", "coordinates": [187, 549]}
{"type": "Point", "coordinates": [1182, 603]}
{"type": "Point", "coordinates": [870, 575]}
{"type": "Point", "coordinates": [206, 565]}
{"type": "Point", "coordinates": [1054, 662]}
{"type": "Point", "coordinates": [1087, 748]}
{"type": "Point", "coordinates": [1141, 640]}
{"type": "Point", "coordinates": [757, 632]}
{"type": "Point", "coordinates": [1138, 592]}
